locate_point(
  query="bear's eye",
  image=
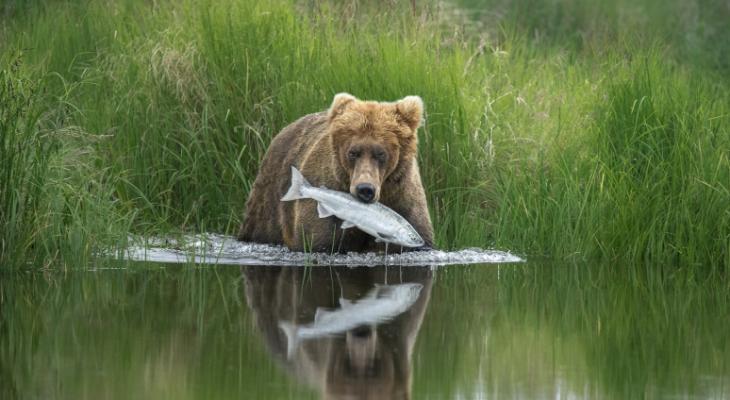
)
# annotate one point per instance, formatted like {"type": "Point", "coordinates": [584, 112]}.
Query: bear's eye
{"type": "Point", "coordinates": [380, 156]}
{"type": "Point", "coordinates": [353, 154]}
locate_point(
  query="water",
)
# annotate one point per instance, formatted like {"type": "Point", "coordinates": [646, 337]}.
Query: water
{"type": "Point", "coordinates": [525, 330]}
{"type": "Point", "coordinates": [220, 249]}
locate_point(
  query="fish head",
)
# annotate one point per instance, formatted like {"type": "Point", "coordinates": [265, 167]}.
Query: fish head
{"type": "Point", "coordinates": [409, 237]}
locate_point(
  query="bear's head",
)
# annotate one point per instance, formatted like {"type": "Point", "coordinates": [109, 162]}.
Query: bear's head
{"type": "Point", "coordinates": [374, 142]}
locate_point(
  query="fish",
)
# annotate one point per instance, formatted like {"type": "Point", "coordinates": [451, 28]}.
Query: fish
{"type": "Point", "coordinates": [380, 304]}
{"type": "Point", "coordinates": [375, 219]}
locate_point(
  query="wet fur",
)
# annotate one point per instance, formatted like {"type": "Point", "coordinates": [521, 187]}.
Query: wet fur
{"type": "Point", "coordinates": [318, 145]}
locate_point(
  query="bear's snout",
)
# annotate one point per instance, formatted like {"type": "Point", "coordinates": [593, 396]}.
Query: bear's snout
{"type": "Point", "coordinates": [365, 192]}
{"type": "Point", "coordinates": [365, 179]}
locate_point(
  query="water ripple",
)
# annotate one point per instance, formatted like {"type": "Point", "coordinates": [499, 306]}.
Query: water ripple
{"type": "Point", "coordinates": [220, 249]}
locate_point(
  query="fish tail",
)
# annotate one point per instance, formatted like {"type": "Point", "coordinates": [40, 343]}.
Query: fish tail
{"type": "Point", "coordinates": [297, 183]}
{"type": "Point", "coordinates": [292, 339]}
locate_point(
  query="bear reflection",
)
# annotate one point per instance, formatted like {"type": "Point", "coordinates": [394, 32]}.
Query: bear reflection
{"type": "Point", "coordinates": [367, 361]}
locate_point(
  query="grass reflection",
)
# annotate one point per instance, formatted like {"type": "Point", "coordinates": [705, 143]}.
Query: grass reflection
{"type": "Point", "coordinates": [518, 331]}
{"type": "Point", "coordinates": [547, 331]}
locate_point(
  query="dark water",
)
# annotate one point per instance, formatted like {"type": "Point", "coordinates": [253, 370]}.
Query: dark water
{"type": "Point", "coordinates": [530, 331]}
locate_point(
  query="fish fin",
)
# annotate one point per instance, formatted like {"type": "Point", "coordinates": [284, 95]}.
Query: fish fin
{"type": "Point", "coordinates": [344, 303]}
{"type": "Point", "coordinates": [347, 225]}
{"type": "Point", "coordinates": [297, 183]}
{"type": "Point", "coordinates": [320, 313]}
{"type": "Point", "coordinates": [385, 237]}
{"type": "Point", "coordinates": [292, 339]}
{"type": "Point", "coordinates": [323, 211]}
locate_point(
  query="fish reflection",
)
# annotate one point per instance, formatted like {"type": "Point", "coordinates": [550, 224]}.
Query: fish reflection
{"type": "Point", "coordinates": [349, 332]}
{"type": "Point", "coordinates": [381, 304]}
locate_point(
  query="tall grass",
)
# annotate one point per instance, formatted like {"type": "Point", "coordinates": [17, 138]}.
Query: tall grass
{"type": "Point", "coordinates": [617, 154]}
{"type": "Point", "coordinates": [646, 181]}
{"type": "Point", "coordinates": [694, 32]}
{"type": "Point", "coordinates": [56, 205]}
{"type": "Point", "coordinates": [24, 158]}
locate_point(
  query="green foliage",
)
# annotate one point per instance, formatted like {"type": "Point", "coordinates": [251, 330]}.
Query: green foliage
{"type": "Point", "coordinates": [55, 203]}
{"type": "Point", "coordinates": [605, 147]}
{"type": "Point", "coordinates": [644, 180]}
{"type": "Point", "coordinates": [694, 32]}
{"type": "Point", "coordinates": [24, 158]}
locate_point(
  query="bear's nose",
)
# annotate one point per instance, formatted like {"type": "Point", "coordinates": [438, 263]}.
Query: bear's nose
{"type": "Point", "coordinates": [365, 192]}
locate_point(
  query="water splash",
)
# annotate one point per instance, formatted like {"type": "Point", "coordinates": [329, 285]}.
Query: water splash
{"type": "Point", "coordinates": [220, 249]}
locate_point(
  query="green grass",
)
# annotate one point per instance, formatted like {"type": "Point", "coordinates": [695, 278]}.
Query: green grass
{"type": "Point", "coordinates": [54, 203]}
{"type": "Point", "coordinates": [607, 146]}
{"type": "Point", "coordinates": [24, 162]}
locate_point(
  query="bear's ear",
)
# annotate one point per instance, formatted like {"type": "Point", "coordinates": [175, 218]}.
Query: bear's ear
{"type": "Point", "coordinates": [410, 111]}
{"type": "Point", "coordinates": [339, 103]}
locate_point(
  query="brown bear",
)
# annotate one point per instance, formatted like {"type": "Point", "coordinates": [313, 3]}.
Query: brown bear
{"type": "Point", "coordinates": [366, 148]}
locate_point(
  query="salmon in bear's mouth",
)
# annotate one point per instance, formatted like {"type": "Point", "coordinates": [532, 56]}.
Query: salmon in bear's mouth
{"type": "Point", "coordinates": [375, 219]}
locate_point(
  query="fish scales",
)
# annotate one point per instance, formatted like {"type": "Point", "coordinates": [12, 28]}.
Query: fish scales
{"type": "Point", "coordinates": [374, 219]}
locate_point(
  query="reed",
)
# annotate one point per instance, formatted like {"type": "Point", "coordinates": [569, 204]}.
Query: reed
{"type": "Point", "coordinates": [23, 162]}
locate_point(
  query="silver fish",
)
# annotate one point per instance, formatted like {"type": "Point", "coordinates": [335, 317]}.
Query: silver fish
{"type": "Point", "coordinates": [382, 303]}
{"type": "Point", "coordinates": [374, 219]}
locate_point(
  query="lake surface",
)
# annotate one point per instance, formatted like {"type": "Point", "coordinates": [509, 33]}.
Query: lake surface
{"type": "Point", "coordinates": [136, 330]}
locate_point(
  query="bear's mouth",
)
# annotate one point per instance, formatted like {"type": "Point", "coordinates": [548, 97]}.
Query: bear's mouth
{"type": "Point", "coordinates": [366, 192]}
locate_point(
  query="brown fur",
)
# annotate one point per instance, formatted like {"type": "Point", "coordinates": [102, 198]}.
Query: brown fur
{"type": "Point", "coordinates": [353, 142]}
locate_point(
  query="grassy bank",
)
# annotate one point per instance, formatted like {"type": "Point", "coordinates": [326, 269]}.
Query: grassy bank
{"type": "Point", "coordinates": [158, 114]}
